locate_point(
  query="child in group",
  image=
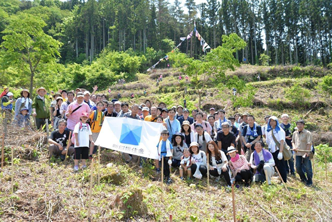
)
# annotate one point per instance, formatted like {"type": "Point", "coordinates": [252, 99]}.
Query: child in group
{"type": "Point", "coordinates": [82, 135]}
{"type": "Point", "coordinates": [185, 163]}
{"type": "Point", "coordinates": [23, 118]}
{"type": "Point", "coordinates": [96, 119]}
{"type": "Point", "coordinates": [165, 149]}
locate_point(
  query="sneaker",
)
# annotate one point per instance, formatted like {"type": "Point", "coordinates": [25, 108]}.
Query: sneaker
{"type": "Point", "coordinates": [217, 179]}
{"type": "Point", "coordinates": [62, 157]}
{"type": "Point", "coordinates": [75, 168]}
{"type": "Point", "coordinates": [181, 178]}
{"type": "Point", "coordinates": [169, 181]}
{"type": "Point", "coordinates": [84, 167]}
{"type": "Point", "coordinates": [158, 170]}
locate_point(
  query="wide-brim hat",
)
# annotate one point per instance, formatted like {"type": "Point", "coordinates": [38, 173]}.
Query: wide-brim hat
{"type": "Point", "coordinates": [177, 134]}
{"type": "Point", "coordinates": [25, 90]}
{"type": "Point", "coordinates": [85, 114]}
{"type": "Point", "coordinates": [41, 88]}
{"type": "Point", "coordinates": [231, 149]}
{"type": "Point", "coordinates": [59, 98]}
{"type": "Point", "coordinates": [186, 122]}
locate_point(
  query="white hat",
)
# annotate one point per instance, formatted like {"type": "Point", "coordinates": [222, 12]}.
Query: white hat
{"type": "Point", "coordinates": [231, 149]}
{"type": "Point", "coordinates": [117, 102]}
{"type": "Point", "coordinates": [146, 109]}
{"type": "Point", "coordinates": [87, 92]}
{"type": "Point", "coordinates": [10, 94]}
{"type": "Point", "coordinates": [284, 115]}
{"type": "Point", "coordinates": [194, 144]}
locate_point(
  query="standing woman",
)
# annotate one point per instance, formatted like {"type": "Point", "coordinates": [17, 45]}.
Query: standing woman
{"type": "Point", "coordinates": [218, 162]}
{"type": "Point", "coordinates": [56, 113]}
{"type": "Point", "coordinates": [23, 102]}
{"type": "Point", "coordinates": [198, 161]}
{"type": "Point", "coordinates": [187, 133]}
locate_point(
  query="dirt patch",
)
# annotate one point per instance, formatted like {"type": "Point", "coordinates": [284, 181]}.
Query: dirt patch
{"type": "Point", "coordinates": [322, 138]}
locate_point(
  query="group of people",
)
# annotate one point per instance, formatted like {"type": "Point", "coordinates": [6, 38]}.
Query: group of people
{"type": "Point", "coordinates": [236, 148]}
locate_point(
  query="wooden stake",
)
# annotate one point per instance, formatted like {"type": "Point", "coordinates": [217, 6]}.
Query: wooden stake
{"type": "Point", "coordinates": [68, 143]}
{"type": "Point", "coordinates": [12, 169]}
{"type": "Point", "coordinates": [90, 191]}
{"type": "Point", "coordinates": [325, 168]}
{"type": "Point", "coordinates": [47, 128]}
{"type": "Point", "coordinates": [3, 149]}
{"type": "Point", "coordinates": [208, 170]}
{"type": "Point", "coordinates": [233, 201]}
{"type": "Point", "coordinates": [98, 165]}
{"type": "Point", "coordinates": [284, 184]}
{"type": "Point", "coordinates": [162, 172]}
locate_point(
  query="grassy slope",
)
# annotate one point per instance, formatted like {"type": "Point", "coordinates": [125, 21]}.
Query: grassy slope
{"type": "Point", "coordinates": [50, 191]}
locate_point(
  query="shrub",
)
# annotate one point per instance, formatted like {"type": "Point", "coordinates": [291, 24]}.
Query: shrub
{"type": "Point", "coordinates": [265, 59]}
{"type": "Point", "coordinates": [297, 94]}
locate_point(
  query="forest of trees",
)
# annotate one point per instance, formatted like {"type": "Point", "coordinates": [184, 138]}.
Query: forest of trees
{"type": "Point", "coordinates": [78, 43]}
{"type": "Point", "coordinates": [289, 31]}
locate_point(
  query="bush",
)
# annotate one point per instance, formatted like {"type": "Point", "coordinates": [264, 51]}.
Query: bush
{"type": "Point", "coordinates": [298, 95]}
{"type": "Point", "coordinates": [265, 59]}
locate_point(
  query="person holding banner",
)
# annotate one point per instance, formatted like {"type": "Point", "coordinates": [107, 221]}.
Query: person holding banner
{"type": "Point", "coordinates": [165, 150]}
{"type": "Point", "coordinates": [198, 162]}
{"type": "Point", "coordinates": [153, 116]}
{"type": "Point", "coordinates": [218, 162]}
{"type": "Point", "coordinates": [96, 121]}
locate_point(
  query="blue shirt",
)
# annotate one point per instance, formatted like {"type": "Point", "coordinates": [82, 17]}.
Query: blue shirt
{"type": "Point", "coordinates": [173, 127]}
{"type": "Point", "coordinates": [163, 150]}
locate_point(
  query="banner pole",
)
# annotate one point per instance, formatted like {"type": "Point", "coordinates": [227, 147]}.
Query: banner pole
{"type": "Point", "coordinates": [12, 169]}
{"type": "Point", "coordinates": [233, 201]}
{"type": "Point", "coordinates": [162, 178]}
{"type": "Point", "coordinates": [3, 149]}
{"type": "Point", "coordinates": [98, 165]}
{"type": "Point", "coordinates": [90, 191]}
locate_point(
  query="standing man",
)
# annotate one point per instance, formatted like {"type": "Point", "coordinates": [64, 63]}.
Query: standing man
{"type": "Point", "coordinates": [153, 116]}
{"type": "Point", "coordinates": [40, 108]}
{"type": "Point", "coordinates": [87, 100]}
{"type": "Point", "coordinates": [179, 113]}
{"type": "Point", "coordinates": [222, 119]}
{"type": "Point", "coordinates": [252, 133]}
{"type": "Point", "coordinates": [64, 105]}
{"type": "Point", "coordinates": [124, 110]}
{"type": "Point", "coordinates": [186, 117]}
{"type": "Point", "coordinates": [7, 109]}
{"type": "Point", "coordinates": [225, 137]}
{"type": "Point", "coordinates": [75, 110]}
{"type": "Point", "coordinates": [302, 141]}
{"type": "Point", "coordinates": [275, 139]}
{"type": "Point", "coordinates": [172, 124]}
{"type": "Point", "coordinates": [117, 107]}
{"type": "Point", "coordinates": [285, 125]}
{"type": "Point", "coordinates": [212, 112]}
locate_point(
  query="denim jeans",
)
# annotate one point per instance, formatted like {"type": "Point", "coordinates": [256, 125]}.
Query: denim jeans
{"type": "Point", "coordinates": [303, 165]}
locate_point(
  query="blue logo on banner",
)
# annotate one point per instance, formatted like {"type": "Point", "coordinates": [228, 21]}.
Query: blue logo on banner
{"type": "Point", "coordinates": [130, 134]}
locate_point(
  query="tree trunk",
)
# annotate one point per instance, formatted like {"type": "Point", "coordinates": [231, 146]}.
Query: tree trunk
{"type": "Point", "coordinates": [296, 54]}
{"type": "Point", "coordinates": [76, 47]}
{"type": "Point", "coordinates": [31, 82]}
{"type": "Point", "coordinates": [144, 39]}
{"type": "Point", "coordinates": [92, 43]}
{"type": "Point", "coordinates": [290, 54]}
{"type": "Point", "coordinates": [282, 54]}
{"type": "Point", "coordinates": [104, 33]}
{"type": "Point", "coordinates": [87, 46]}
{"type": "Point", "coordinates": [124, 40]}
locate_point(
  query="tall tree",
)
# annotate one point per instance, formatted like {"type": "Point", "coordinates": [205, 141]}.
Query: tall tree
{"type": "Point", "coordinates": [26, 44]}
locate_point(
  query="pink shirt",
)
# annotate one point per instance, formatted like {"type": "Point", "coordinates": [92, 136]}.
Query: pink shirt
{"type": "Point", "coordinates": [74, 118]}
{"type": "Point", "coordinates": [241, 164]}
{"type": "Point", "coordinates": [206, 126]}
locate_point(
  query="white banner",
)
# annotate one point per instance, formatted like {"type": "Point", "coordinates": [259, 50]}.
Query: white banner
{"type": "Point", "coordinates": [131, 136]}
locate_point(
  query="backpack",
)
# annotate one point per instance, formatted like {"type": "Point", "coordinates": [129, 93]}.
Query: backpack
{"type": "Point", "coordinates": [73, 137]}
{"type": "Point", "coordinates": [95, 115]}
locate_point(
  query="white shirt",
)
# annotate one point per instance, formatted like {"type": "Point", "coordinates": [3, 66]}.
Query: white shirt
{"type": "Point", "coordinates": [83, 134]}
{"type": "Point", "coordinates": [200, 158]}
{"type": "Point", "coordinates": [264, 128]}
{"type": "Point", "coordinates": [200, 138]}
{"type": "Point", "coordinates": [279, 136]}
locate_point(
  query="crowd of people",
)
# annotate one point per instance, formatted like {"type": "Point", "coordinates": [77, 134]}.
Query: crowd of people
{"type": "Point", "coordinates": [235, 148]}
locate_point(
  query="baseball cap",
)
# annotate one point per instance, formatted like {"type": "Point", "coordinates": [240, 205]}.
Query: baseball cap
{"type": "Point", "coordinates": [117, 102]}
{"type": "Point", "coordinates": [145, 109]}
{"type": "Point", "coordinates": [79, 94]}
{"type": "Point", "coordinates": [185, 110]}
